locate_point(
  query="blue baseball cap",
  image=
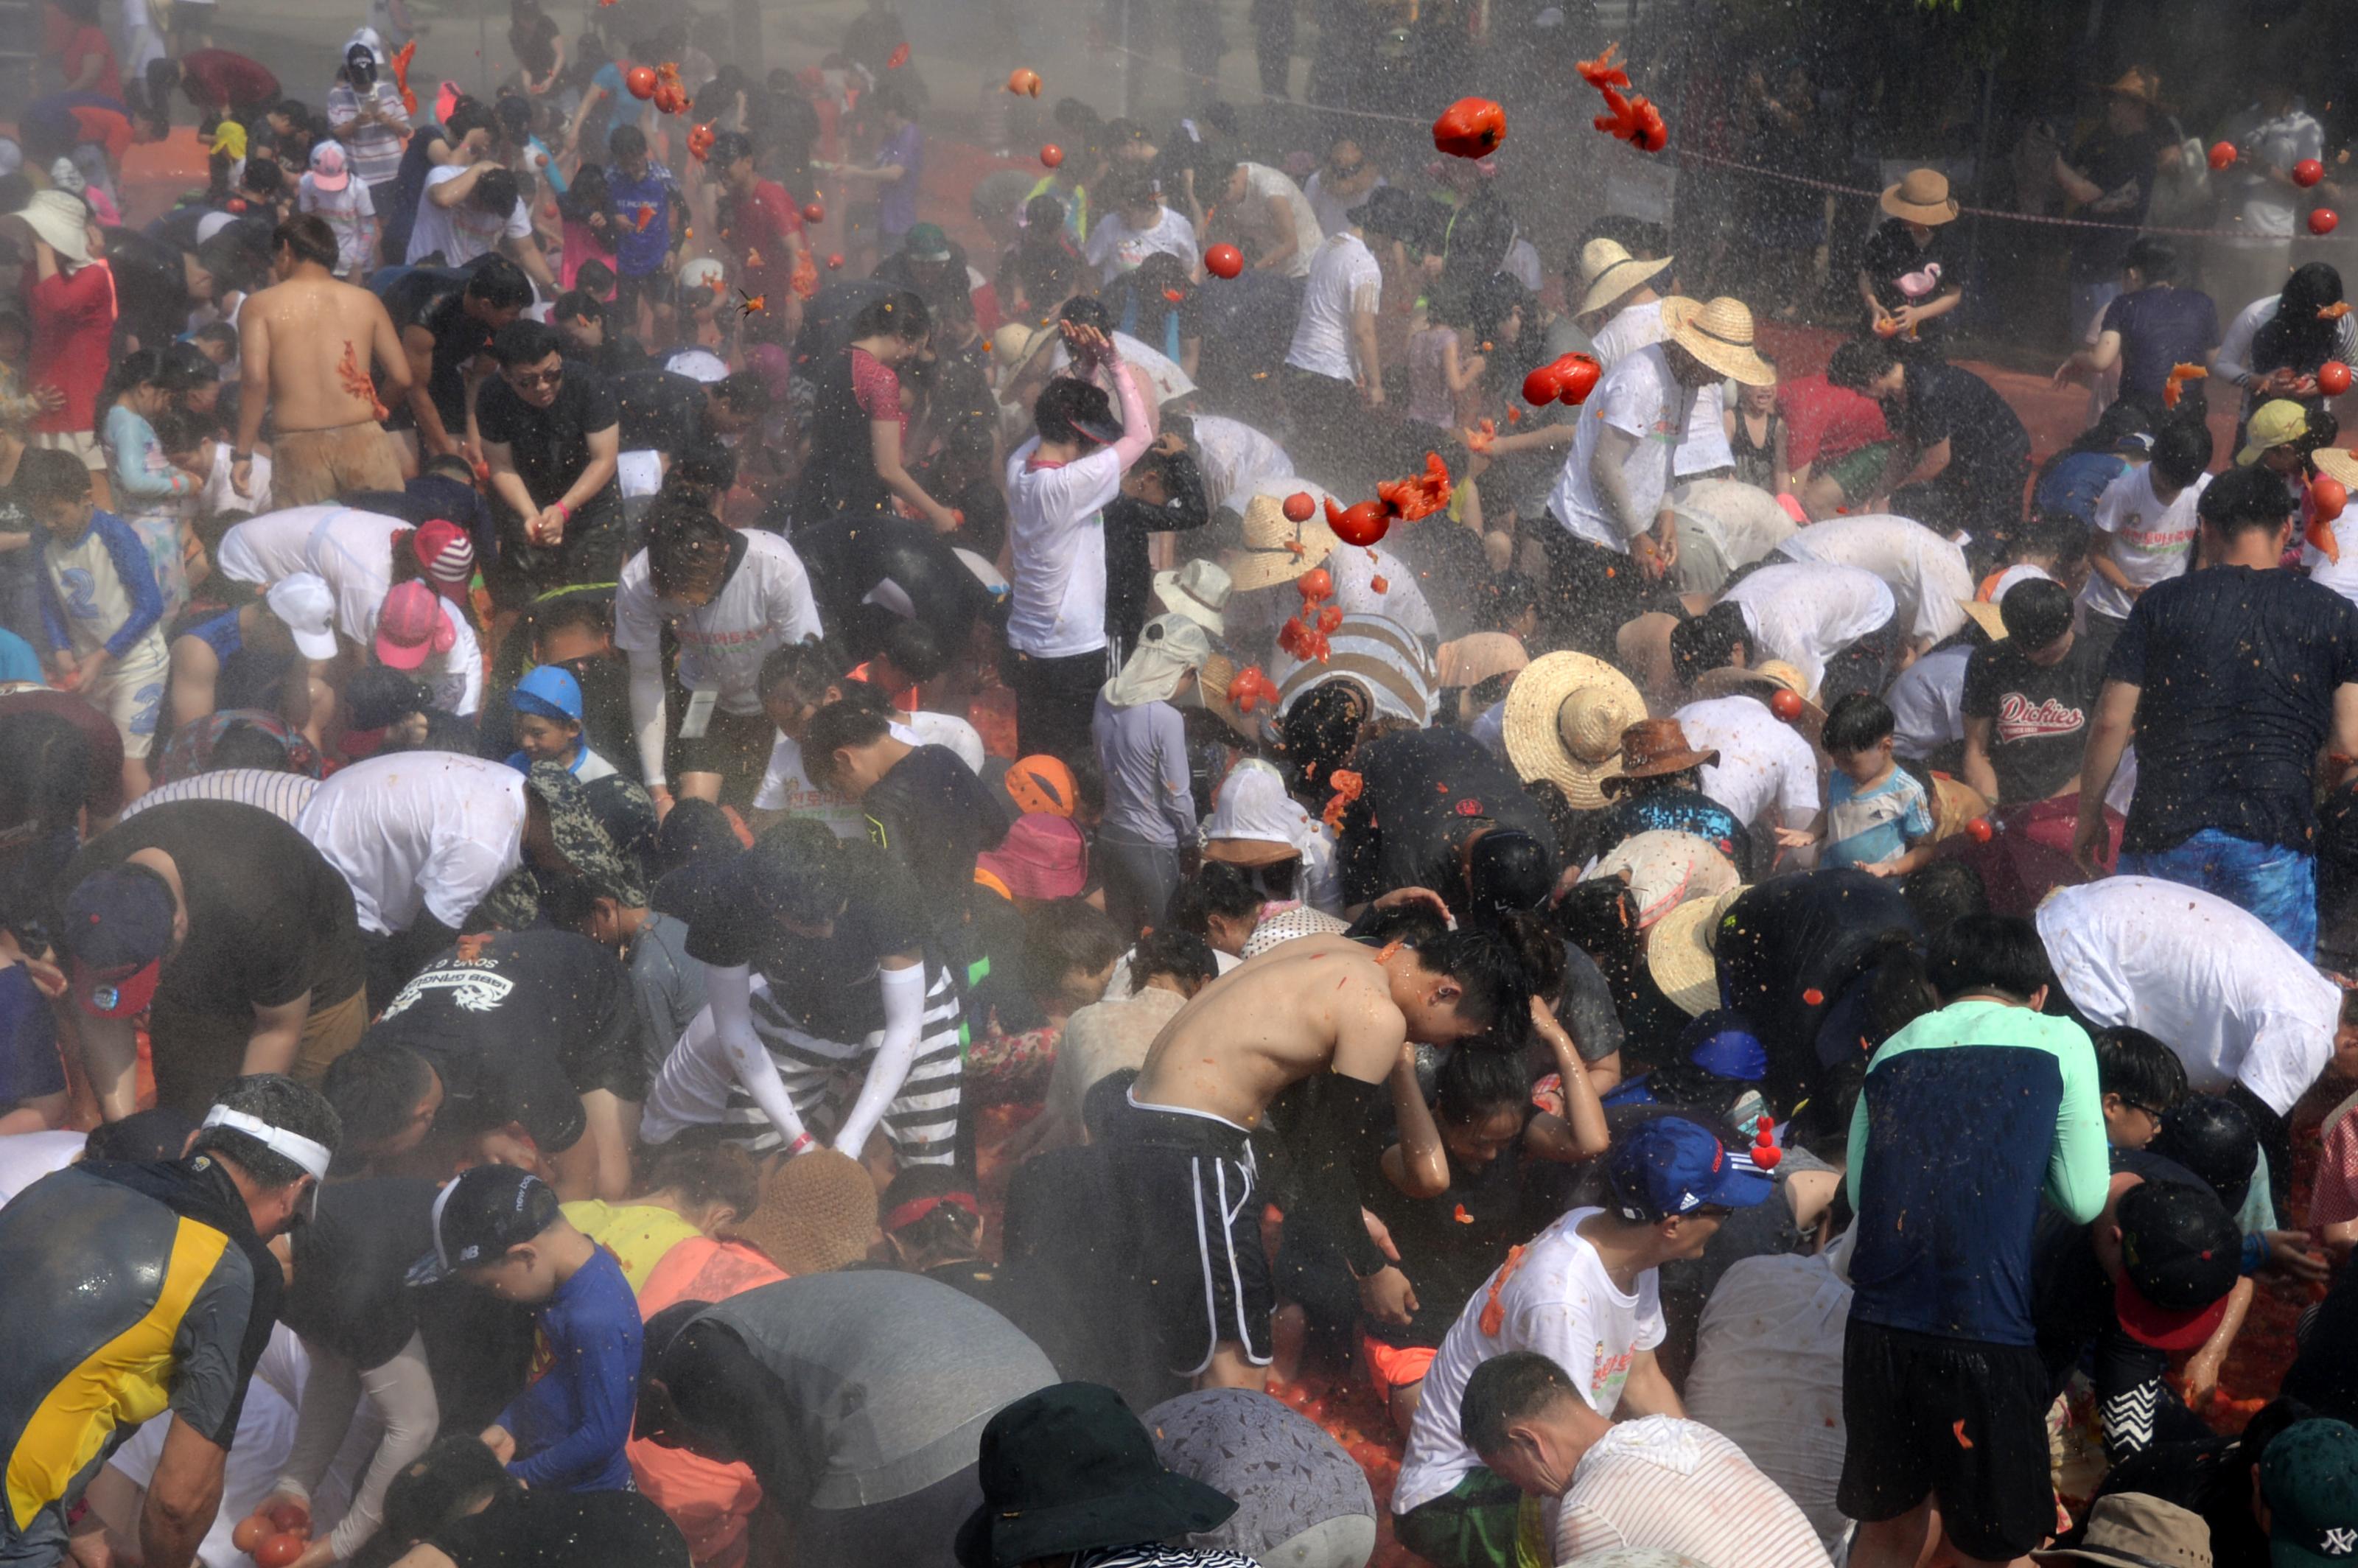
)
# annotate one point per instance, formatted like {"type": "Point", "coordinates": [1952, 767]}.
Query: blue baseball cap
{"type": "Point", "coordinates": [1721, 1043]}
{"type": "Point", "coordinates": [1670, 1166]}
{"type": "Point", "coordinates": [550, 691]}
{"type": "Point", "coordinates": [116, 930]}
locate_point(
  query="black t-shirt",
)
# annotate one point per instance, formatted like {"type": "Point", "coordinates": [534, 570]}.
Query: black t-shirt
{"type": "Point", "coordinates": [1986, 440]}
{"type": "Point", "coordinates": [2038, 715]}
{"type": "Point", "coordinates": [2325, 1374]}
{"type": "Point", "coordinates": [268, 918]}
{"type": "Point", "coordinates": [538, 1528]}
{"type": "Point", "coordinates": [2238, 669]}
{"type": "Point", "coordinates": [661, 411]}
{"type": "Point", "coordinates": [1890, 255]}
{"type": "Point", "coordinates": [2160, 327]}
{"type": "Point", "coordinates": [2125, 169]}
{"type": "Point", "coordinates": [551, 446]}
{"type": "Point", "coordinates": [1450, 1243]}
{"type": "Point", "coordinates": [932, 815]}
{"type": "Point", "coordinates": [432, 298]}
{"type": "Point", "coordinates": [826, 986]}
{"type": "Point", "coordinates": [352, 1262]}
{"type": "Point", "coordinates": [1805, 934]}
{"type": "Point", "coordinates": [1424, 792]}
{"type": "Point", "coordinates": [520, 1024]}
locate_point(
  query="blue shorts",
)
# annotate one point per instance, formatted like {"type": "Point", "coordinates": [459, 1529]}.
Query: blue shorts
{"type": "Point", "coordinates": [29, 1065]}
{"type": "Point", "coordinates": [2274, 882]}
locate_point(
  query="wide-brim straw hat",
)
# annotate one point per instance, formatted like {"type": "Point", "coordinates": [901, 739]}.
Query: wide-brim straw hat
{"type": "Point", "coordinates": [2337, 464]}
{"type": "Point", "coordinates": [1764, 680]}
{"type": "Point", "coordinates": [1681, 953]}
{"type": "Point", "coordinates": [1276, 549]}
{"type": "Point", "coordinates": [1984, 615]}
{"type": "Point", "coordinates": [1564, 722]}
{"type": "Point", "coordinates": [1954, 804]}
{"type": "Point", "coordinates": [1921, 196]}
{"type": "Point", "coordinates": [1719, 334]}
{"type": "Point", "coordinates": [1607, 272]}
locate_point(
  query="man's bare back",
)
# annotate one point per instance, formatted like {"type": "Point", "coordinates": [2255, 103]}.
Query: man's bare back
{"type": "Point", "coordinates": [1314, 1003]}
{"type": "Point", "coordinates": [311, 343]}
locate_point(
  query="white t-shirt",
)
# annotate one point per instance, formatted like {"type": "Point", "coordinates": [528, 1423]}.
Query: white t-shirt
{"type": "Point", "coordinates": [786, 787]}
{"type": "Point", "coordinates": [1702, 446]}
{"type": "Point", "coordinates": [1333, 213]}
{"type": "Point", "coordinates": [351, 551]}
{"type": "Point", "coordinates": [461, 232]}
{"type": "Point", "coordinates": [1928, 703]}
{"type": "Point", "coordinates": [1266, 187]}
{"type": "Point", "coordinates": [2268, 208]}
{"type": "Point", "coordinates": [1402, 600]}
{"type": "Point", "coordinates": [1767, 1375]}
{"type": "Point", "coordinates": [1344, 280]}
{"type": "Point", "coordinates": [2149, 542]}
{"type": "Point", "coordinates": [351, 213]}
{"type": "Point", "coordinates": [257, 1454]}
{"type": "Point", "coordinates": [2340, 576]}
{"type": "Point", "coordinates": [1637, 397]}
{"type": "Point", "coordinates": [418, 832]}
{"type": "Point", "coordinates": [1237, 461]}
{"type": "Point", "coordinates": [1807, 612]}
{"type": "Point", "coordinates": [766, 603]}
{"type": "Point", "coordinates": [1055, 533]}
{"type": "Point", "coordinates": [1639, 327]}
{"type": "Point", "coordinates": [455, 678]}
{"type": "Point", "coordinates": [221, 492]}
{"type": "Point", "coordinates": [1116, 248]}
{"type": "Point", "coordinates": [1679, 1486]}
{"type": "Point", "coordinates": [2235, 1002]}
{"type": "Point", "coordinates": [1766, 770]}
{"type": "Point", "coordinates": [1742, 521]}
{"type": "Point", "coordinates": [1559, 1301]}
{"type": "Point", "coordinates": [1927, 575]}
{"type": "Point", "coordinates": [26, 1157]}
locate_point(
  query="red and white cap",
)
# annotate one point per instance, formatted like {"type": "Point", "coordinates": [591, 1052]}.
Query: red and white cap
{"type": "Point", "coordinates": [445, 555]}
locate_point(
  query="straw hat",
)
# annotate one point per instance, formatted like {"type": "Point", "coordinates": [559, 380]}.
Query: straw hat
{"type": "Point", "coordinates": [1608, 271]}
{"type": "Point", "coordinates": [2335, 463]}
{"type": "Point", "coordinates": [1984, 615]}
{"type": "Point", "coordinates": [2139, 85]}
{"type": "Point", "coordinates": [1564, 717]}
{"type": "Point", "coordinates": [1719, 334]}
{"type": "Point", "coordinates": [1665, 869]}
{"type": "Point", "coordinates": [817, 1214]}
{"type": "Point", "coordinates": [1653, 747]}
{"type": "Point", "coordinates": [1268, 556]}
{"type": "Point", "coordinates": [1954, 804]}
{"type": "Point", "coordinates": [1681, 952]}
{"type": "Point", "coordinates": [1921, 196]}
{"type": "Point", "coordinates": [1212, 681]}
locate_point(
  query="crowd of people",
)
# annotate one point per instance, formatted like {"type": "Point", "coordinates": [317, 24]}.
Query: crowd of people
{"type": "Point", "coordinates": [667, 899]}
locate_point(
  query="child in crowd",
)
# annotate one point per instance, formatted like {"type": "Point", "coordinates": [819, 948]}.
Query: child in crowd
{"type": "Point", "coordinates": [1878, 818]}
{"type": "Point", "coordinates": [650, 215]}
{"type": "Point", "coordinates": [548, 710]}
{"type": "Point", "coordinates": [150, 495]}
{"type": "Point", "coordinates": [329, 189]}
{"type": "Point", "coordinates": [2140, 1078]}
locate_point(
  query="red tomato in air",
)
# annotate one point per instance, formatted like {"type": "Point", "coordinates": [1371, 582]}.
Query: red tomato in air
{"type": "Point", "coordinates": [1542, 387]}
{"type": "Point", "coordinates": [278, 1551]}
{"type": "Point", "coordinates": [1299, 507]}
{"type": "Point", "coordinates": [2326, 497]}
{"type": "Point", "coordinates": [1785, 705]}
{"type": "Point", "coordinates": [2307, 172]}
{"type": "Point", "coordinates": [1052, 155]}
{"type": "Point", "coordinates": [2322, 219]}
{"type": "Point", "coordinates": [2222, 154]}
{"type": "Point", "coordinates": [1023, 82]}
{"type": "Point", "coordinates": [1362, 524]}
{"type": "Point", "coordinates": [814, 213]}
{"type": "Point", "coordinates": [1224, 261]}
{"type": "Point", "coordinates": [835, 261]}
{"type": "Point", "coordinates": [1314, 583]}
{"type": "Point", "coordinates": [640, 81]}
{"type": "Point", "coordinates": [1471, 128]}
{"type": "Point", "coordinates": [1577, 374]}
{"type": "Point", "coordinates": [2333, 378]}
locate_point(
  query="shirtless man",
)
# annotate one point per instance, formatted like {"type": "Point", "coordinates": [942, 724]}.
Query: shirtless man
{"type": "Point", "coordinates": [1320, 1008]}
{"type": "Point", "coordinates": [306, 345]}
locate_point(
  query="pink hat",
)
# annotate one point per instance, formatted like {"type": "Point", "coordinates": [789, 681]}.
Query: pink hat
{"type": "Point", "coordinates": [1041, 856]}
{"type": "Point", "coordinates": [445, 555]}
{"type": "Point", "coordinates": [412, 627]}
{"type": "Point", "coordinates": [327, 170]}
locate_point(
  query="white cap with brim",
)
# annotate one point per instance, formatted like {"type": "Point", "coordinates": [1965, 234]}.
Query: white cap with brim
{"type": "Point", "coordinates": [307, 606]}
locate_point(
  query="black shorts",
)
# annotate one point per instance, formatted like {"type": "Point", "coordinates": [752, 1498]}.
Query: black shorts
{"type": "Point", "coordinates": [590, 557]}
{"type": "Point", "coordinates": [735, 745]}
{"type": "Point", "coordinates": [657, 288]}
{"type": "Point", "coordinates": [1955, 1419]}
{"type": "Point", "coordinates": [1191, 1192]}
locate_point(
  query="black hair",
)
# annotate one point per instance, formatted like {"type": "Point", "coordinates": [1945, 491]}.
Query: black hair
{"type": "Point", "coordinates": [746, 393]}
{"type": "Point", "coordinates": [1857, 723]}
{"type": "Point", "coordinates": [2056, 533]}
{"type": "Point", "coordinates": [728, 147]}
{"type": "Point", "coordinates": [1167, 950]}
{"type": "Point", "coordinates": [948, 1230]}
{"type": "Point", "coordinates": [1988, 952]}
{"type": "Point", "coordinates": [1217, 888]}
{"type": "Point", "coordinates": [803, 870]}
{"type": "Point", "coordinates": [901, 314]}
{"type": "Point", "coordinates": [807, 668]}
{"type": "Point", "coordinates": [840, 726]}
{"type": "Point", "coordinates": [589, 193]}
{"type": "Point", "coordinates": [263, 175]}
{"type": "Point", "coordinates": [1086, 310]}
{"type": "Point", "coordinates": [2155, 261]}
{"type": "Point", "coordinates": [2139, 1068]}
{"type": "Point", "coordinates": [45, 475]}
{"type": "Point", "coordinates": [1128, 188]}
{"type": "Point", "coordinates": [495, 191]}
{"type": "Point", "coordinates": [456, 1477]}
{"type": "Point", "coordinates": [889, 98]}
{"type": "Point", "coordinates": [1490, 966]}
{"type": "Point", "coordinates": [375, 1087]}
{"type": "Point", "coordinates": [574, 609]}
{"type": "Point", "coordinates": [1067, 403]}
{"type": "Point", "coordinates": [2037, 611]}
{"type": "Point", "coordinates": [177, 430]}
{"type": "Point", "coordinates": [2239, 501]}
{"type": "Point", "coordinates": [1470, 1084]}
{"type": "Point", "coordinates": [685, 543]}
{"type": "Point", "coordinates": [467, 114]}
{"type": "Point", "coordinates": [702, 1173]}
{"type": "Point", "coordinates": [1943, 892]}
{"type": "Point", "coordinates": [523, 342]}
{"type": "Point", "coordinates": [500, 284]}
{"type": "Point", "coordinates": [1505, 1389]}
{"type": "Point", "coordinates": [2182, 448]}
{"type": "Point", "coordinates": [625, 142]}
{"type": "Point", "coordinates": [1859, 364]}
{"type": "Point", "coordinates": [1704, 643]}
{"type": "Point", "coordinates": [1065, 935]}
{"type": "Point", "coordinates": [277, 1100]}
{"type": "Point", "coordinates": [578, 305]}
{"type": "Point", "coordinates": [247, 745]}
{"type": "Point", "coordinates": [701, 474]}
{"type": "Point", "coordinates": [45, 771]}
{"type": "Point", "coordinates": [916, 646]}
{"type": "Point", "coordinates": [308, 236]}
{"type": "Point", "coordinates": [695, 830]}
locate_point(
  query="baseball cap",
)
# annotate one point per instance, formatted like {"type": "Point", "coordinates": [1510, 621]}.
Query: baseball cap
{"type": "Point", "coordinates": [2211, 1136]}
{"type": "Point", "coordinates": [1042, 857]}
{"type": "Point", "coordinates": [444, 553]}
{"type": "Point", "coordinates": [305, 602]}
{"type": "Point", "coordinates": [327, 170]}
{"type": "Point", "coordinates": [550, 691]}
{"type": "Point", "coordinates": [926, 242]}
{"type": "Point", "coordinates": [1041, 783]}
{"type": "Point", "coordinates": [118, 925]}
{"type": "Point", "coordinates": [478, 1218]}
{"type": "Point", "coordinates": [2308, 1477]}
{"type": "Point", "coordinates": [2272, 425]}
{"type": "Point", "coordinates": [1508, 871]}
{"type": "Point", "coordinates": [1670, 1166]}
{"type": "Point", "coordinates": [1722, 1043]}
{"type": "Point", "coordinates": [412, 628]}
{"type": "Point", "coordinates": [2180, 1254]}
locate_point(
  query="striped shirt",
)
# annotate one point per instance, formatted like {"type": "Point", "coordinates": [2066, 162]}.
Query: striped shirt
{"type": "Point", "coordinates": [281, 793]}
{"type": "Point", "coordinates": [1677, 1486]}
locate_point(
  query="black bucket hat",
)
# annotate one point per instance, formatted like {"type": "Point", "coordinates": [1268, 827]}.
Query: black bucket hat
{"type": "Point", "coordinates": [1070, 1469]}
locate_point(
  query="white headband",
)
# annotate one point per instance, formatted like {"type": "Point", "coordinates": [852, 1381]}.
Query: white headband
{"type": "Point", "coordinates": [313, 1157]}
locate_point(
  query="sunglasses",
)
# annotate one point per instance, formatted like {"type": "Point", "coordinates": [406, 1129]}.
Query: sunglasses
{"type": "Point", "coordinates": [527, 382]}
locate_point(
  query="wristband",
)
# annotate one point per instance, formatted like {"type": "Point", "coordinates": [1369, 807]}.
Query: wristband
{"type": "Point", "coordinates": [563, 511]}
{"type": "Point", "coordinates": [237, 457]}
{"type": "Point", "coordinates": [799, 1144]}
{"type": "Point", "coordinates": [2255, 1252]}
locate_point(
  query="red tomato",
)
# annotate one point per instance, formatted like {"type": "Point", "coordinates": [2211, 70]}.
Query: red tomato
{"type": "Point", "coordinates": [1767, 1155]}
{"type": "Point", "coordinates": [2322, 219]}
{"type": "Point", "coordinates": [249, 1533]}
{"type": "Point", "coordinates": [640, 81]}
{"type": "Point", "coordinates": [1542, 387]}
{"type": "Point", "coordinates": [1578, 373]}
{"type": "Point", "coordinates": [1314, 583]}
{"type": "Point", "coordinates": [835, 261]}
{"type": "Point", "coordinates": [814, 213]}
{"type": "Point", "coordinates": [1471, 128]}
{"type": "Point", "coordinates": [1224, 261]}
{"type": "Point", "coordinates": [2333, 378]}
{"type": "Point", "coordinates": [2326, 497]}
{"type": "Point", "coordinates": [1299, 507]}
{"type": "Point", "coordinates": [2222, 154]}
{"type": "Point", "coordinates": [1052, 155]}
{"type": "Point", "coordinates": [1362, 524]}
{"type": "Point", "coordinates": [1025, 83]}
{"type": "Point", "coordinates": [1980, 831]}
{"type": "Point", "coordinates": [2307, 172]}
{"type": "Point", "coordinates": [1813, 996]}
{"type": "Point", "coordinates": [288, 1516]}
{"type": "Point", "coordinates": [278, 1551]}
{"type": "Point", "coordinates": [1785, 705]}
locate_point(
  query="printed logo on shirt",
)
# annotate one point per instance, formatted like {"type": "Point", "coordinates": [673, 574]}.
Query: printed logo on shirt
{"type": "Point", "coordinates": [2134, 531]}
{"type": "Point", "coordinates": [1608, 1373]}
{"type": "Point", "coordinates": [2018, 719]}
{"type": "Point", "coordinates": [474, 990]}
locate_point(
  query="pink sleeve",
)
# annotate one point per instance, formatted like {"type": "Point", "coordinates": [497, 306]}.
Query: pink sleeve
{"type": "Point", "coordinates": [1137, 424]}
{"type": "Point", "coordinates": [2335, 1198]}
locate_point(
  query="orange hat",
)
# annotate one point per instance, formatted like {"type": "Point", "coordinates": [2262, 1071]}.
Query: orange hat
{"type": "Point", "coordinates": [1041, 784]}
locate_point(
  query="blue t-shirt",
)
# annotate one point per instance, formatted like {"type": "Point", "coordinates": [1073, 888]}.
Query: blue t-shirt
{"type": "Point", "coordinates": [572, 1420]}
{"type": "Point", "coordinates": [896, 209]}
{"type": "Point", "coordinates": [2160, 328]}
{"type": "Point", "coordinates": [29, 1066]}
{"type": "Point", "coordinates": [18, 663]}
{"type": "Point", "coordinates": [1864, 827]}
{"type": "Point", "coordinates": [2074, 485]}
{"type": "Point", "coordinates": [221, 635]}
{"type": "Point", "coordinates": [644, 209]}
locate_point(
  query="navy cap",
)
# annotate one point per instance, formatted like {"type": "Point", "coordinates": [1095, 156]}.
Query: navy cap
{"type": "Point", "coordinates": [478, 1218]}
{"type": "Point", "coordinates": [117, 928]}
{"type": "Point", "coordinates": [1721, 1043]}
{"type": "Point", "coordinates": [1670, 1166]}
{"type": "Point", "coordinates": [1507, 869]}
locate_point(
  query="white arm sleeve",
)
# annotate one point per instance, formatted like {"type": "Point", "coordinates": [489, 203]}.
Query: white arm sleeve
{"type": "Point", "coordinates": [647, 713]}
{"type": "Point", "coordinates": [731, 993]}
{"type": "Point", "coordinates": [905, 1022]}
{"type": "Point", "coordinates": [331, 1393]}
{"type": "Point", "coordinates": [402, 1393]}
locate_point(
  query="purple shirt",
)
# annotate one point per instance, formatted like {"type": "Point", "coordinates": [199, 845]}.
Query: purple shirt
{"type": "Point", "coordinates": [896, 208]}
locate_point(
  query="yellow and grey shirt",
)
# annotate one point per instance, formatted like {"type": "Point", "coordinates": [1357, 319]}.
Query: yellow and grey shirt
{"type": "Point", "coordinates": [130, 1292]}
